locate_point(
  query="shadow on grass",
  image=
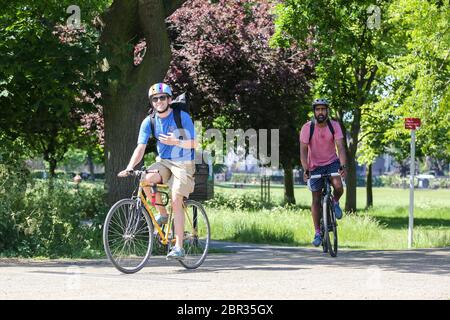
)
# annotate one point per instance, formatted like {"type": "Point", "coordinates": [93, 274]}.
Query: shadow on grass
{"type": "Point", "coordinates": [402, 222]}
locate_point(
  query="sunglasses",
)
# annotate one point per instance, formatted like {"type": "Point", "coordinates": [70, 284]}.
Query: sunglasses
{"type": "Point", "coordinates": [160, 98]}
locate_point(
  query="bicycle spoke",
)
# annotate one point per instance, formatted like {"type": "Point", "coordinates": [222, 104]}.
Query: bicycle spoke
{"type": "Point", "coordinates": [128, 236]}
{"type": "Point", "coordinates": [196, 236]}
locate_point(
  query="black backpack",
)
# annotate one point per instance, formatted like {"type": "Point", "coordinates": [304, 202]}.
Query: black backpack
{"type": "Point", "coordinates": [313, 123]}
{"type": "Point", "coordinates": [181, 103]}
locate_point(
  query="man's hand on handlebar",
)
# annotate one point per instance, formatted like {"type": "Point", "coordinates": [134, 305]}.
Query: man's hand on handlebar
{"type": "Point", "coordinates": [125, 173]}
{"type": "Point", "coordinates": [343, 171]}
{"type": "Point", "coordinates": [306, 175]}
{"type": "Point", "coordinates": [128, 172]}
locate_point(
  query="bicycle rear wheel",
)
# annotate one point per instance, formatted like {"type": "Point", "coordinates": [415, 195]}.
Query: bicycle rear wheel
{"type": "Point", "coordinates": [197, 234]}
{"type": "Point", "coordinates": [128, 236]}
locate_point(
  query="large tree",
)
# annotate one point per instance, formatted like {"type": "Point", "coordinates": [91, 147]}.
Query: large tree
{"type": "Point", "coordinates": [125, 101]}
{"type": "Point", "coordinates": [419, 79]}
{"type": "Point", "coordinates": [222, 55]}
{"type": "Point", "coordinates": [351, 39]}
{"type": "Point", "coordinates": [46, 74]}
{"type": "Point", "coordinates": [414, 84]}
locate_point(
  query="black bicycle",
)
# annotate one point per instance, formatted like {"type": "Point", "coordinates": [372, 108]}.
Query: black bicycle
{"type": "Point", "coordinates": [328, 225]}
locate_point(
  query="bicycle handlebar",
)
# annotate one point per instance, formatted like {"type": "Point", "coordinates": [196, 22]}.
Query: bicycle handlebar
{"type": "Point", "coordinates": [318, 176]}
{"type": "Point", "coordinates": [138, 173]}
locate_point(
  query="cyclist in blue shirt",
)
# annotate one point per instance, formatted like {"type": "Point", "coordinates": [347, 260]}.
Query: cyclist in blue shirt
{"type": "Point", "coordinates": [175, 163]}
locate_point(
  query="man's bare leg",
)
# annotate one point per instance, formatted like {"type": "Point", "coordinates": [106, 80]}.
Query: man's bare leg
{"type": "Point", "coordinates": [152, 178]}
{"type": "Point", "coordinates": [177, 207]}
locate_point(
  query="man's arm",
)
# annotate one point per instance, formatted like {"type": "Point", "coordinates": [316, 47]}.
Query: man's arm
{"type": "Point", "coordinates": [304, 158]}
{"type": "Point", "coordinates": [137, 156]}
{"type": "Point", "coordinates": [342, 154]}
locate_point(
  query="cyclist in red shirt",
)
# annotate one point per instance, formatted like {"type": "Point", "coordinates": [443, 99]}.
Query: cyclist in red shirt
{"type": "Point", "coordinates": [318, 156]}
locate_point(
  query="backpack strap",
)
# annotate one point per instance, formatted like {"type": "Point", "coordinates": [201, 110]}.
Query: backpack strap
{"type": "Point", "coordinates": [152, 125]}
{"type": "Point", "coordinates": [330, 126]}
{"type": "Point", "coordinates": [311, 128]}
{"type": "Point", "coordinates": [177, 118]}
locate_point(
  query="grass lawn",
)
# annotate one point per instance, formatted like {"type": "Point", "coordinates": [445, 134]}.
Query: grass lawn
{"type": "Point", "coordinates": [385, 226]}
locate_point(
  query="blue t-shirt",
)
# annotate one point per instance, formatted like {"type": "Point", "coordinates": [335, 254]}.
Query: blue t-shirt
{"type": "Point", "coordinates": [166, 126]}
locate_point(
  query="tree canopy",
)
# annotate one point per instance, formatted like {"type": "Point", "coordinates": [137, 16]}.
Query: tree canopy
{"type": "Point", "coordinates": [222, 54]}
{"type": "Point", "coordinates": [47, 73]}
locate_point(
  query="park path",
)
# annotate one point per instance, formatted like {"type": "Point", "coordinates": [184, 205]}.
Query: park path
{"type": "Point", "coordinates": [249, 272]}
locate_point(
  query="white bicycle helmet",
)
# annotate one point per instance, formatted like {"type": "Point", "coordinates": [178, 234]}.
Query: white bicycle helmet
{"type": "Point", "coordinates": [320, 101]}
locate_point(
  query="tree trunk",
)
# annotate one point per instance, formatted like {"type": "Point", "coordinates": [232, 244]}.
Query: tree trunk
{"type": "Point", "coordinates": [363, 88]}
{"type": "Point", "coordinates": [350, 193]}
{"type": "Point", "coordinates": [126, 101]}
{"type": "Point", "coordinates": [369, 194]}
{"type": "Point", "coordinates": [289, 197]}
{"type": "Point", "coordinates": [351, 179]}
{"type": "Point", "coordinates": [52, 172]}
{"type": "Point", "coordinates": [90, 163]}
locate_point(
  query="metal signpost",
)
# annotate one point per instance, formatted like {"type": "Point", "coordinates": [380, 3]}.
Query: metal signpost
{"type": "Point", "coordinates": [412, 124]}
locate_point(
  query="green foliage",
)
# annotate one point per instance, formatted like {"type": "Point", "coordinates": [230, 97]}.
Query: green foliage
{"type": "Point", "coordinates": [74, 158]}
{"type": "Point", "coordinates": [349, 53]}
{"type": "Point", "coordinates": [380, 228]}
{"type": "Point", "coordinates": [413, 84]}
{"type": "Point", "coordinates": [245, 177]}
{"type": "Point", "coordinates": [14, 177]}
{"type": "Point", "coordinates": [46, 74]}
{"type": "Point", "coordinates": [150, 158]}
{"type": "Point", "coordinates": [50, 223]}
{"type": "Point", "coordinates": [238, 202]}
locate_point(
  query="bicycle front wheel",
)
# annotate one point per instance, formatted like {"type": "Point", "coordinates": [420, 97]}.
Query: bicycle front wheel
{"type": "Point", "coordinates": [330, 228]}
{"type": "Point", "coordinates": [197, 234]}
{"type": "Point", "coordinates": [128, 236]}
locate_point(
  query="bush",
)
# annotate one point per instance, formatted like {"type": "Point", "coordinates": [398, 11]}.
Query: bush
{"type": "Point", "coordinates": [245, 178]}
{"type": "Point", "coordinates": [246, 201]}
{"type": "Point", "coordinates": [37, 221]}
{"type": "Point", "coordinates": [238, 202]}
{"type": "Point", "coordinates": [49, 222]}
{"type": "Point", "coordinates": [440, 183]}
{"type": "Point", "coordinates": [14, 177]}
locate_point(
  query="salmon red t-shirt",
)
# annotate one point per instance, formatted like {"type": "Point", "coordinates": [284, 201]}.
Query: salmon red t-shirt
{"type": "Point", "coordinates": [322, 148]}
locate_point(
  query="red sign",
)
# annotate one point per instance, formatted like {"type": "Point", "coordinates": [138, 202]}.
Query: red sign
{"type": "Point", "coordinates": [412, 123]}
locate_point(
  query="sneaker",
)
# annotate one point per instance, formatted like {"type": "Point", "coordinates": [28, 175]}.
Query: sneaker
{"type": "Point", "coordinates": [176, 253]}
{"type": "Point", "coordinates": [317, 240]}
{"type": "Point", "coordinates": [160, 219]}
{"type": "Point", "coordinates": [337, 210]}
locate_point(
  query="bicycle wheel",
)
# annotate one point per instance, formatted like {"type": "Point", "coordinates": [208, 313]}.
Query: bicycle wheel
{"type": "Point", "coordinates": [128, 236]}
{"type": "Point", "coordinates": [324, 225]}
{"type": "Point", "coordinates": [322, 235]}
{"type": "Point", "coordinates": [332, 232]}
{"type": "Point", "coordinates": [197, 235]}
{"type": "Point", "coordinates": [330, 228]}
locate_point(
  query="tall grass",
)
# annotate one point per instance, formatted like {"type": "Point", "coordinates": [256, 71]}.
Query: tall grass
{"type": "Point", "coordinates": [286, 227]}
{"type": "Point", "coordinates": [383, 227]}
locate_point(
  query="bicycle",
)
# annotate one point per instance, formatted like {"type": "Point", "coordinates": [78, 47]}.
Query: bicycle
{"type": "Point", "coordinates": [328, 219]}
{"type": "Point", "coordinates": [130, 229]}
